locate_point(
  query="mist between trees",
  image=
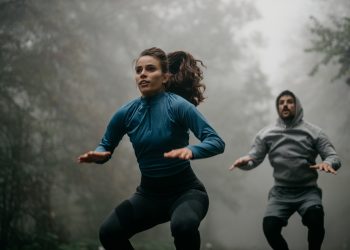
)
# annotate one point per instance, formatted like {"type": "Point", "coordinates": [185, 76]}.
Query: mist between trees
{"type": "Point", "coordinates": [66, 66]}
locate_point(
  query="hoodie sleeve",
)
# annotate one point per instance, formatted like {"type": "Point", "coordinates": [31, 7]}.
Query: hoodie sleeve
{"type": "Point", "coordinates": [257, 152]}
{"type": "Point", "coordinates": [326, 151]}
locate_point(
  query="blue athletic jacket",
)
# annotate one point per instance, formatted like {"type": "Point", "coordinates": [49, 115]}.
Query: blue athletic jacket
{"type": "Point", "coordinates": [156, 125]}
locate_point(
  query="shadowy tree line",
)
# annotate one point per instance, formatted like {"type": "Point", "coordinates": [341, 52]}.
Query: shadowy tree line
{"type": "Point", "coordinates": [63, 73]}
{"type": "Point", "coordinates": [333, 42]}
{"type": "Point", "coordinates": [41, 66]}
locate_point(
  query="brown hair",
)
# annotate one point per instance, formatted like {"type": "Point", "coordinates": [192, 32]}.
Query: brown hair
{"type": "Point", "coordinates": [158, 54]}
{"type": "Point", "coordinates": [185, 73]}
{"type": "Point", "coordinates": [186, 76]}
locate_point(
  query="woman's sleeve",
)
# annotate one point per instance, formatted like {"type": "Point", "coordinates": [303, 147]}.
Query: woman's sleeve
{"type": "Point", "coordinates": [210, 142]}
{"type": "Point", "coordinates": [114, 133]}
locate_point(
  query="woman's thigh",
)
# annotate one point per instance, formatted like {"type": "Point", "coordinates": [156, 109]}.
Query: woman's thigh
{"type": "Point", "coordinates": [136, 214]}
{"type": "Point", "coordinates": [190, 208]}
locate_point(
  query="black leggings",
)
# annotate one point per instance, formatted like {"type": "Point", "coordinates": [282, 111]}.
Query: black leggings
{"type": "Point", "coordinates": [185, 210]}
{"type": "Point", "coordinates": [313, 219]}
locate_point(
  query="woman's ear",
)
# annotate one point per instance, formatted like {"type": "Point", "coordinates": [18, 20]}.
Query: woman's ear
{"type": "Point", "coordinates": [166, 78]}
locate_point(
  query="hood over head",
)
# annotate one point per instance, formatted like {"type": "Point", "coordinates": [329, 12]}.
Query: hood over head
{"type": "Point", "coordinates": [299, 113]}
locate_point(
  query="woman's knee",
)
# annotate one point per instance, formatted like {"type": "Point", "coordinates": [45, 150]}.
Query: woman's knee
{"type": "Point", "coordinates": [113, 228]}
{"type": "Point", "coordinates": [110, 230]}
{"type": "Point", "coordinates": [186, 226]}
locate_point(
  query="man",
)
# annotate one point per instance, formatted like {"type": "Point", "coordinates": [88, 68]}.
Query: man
{"type": "Point", "coordinates": [292, 145]}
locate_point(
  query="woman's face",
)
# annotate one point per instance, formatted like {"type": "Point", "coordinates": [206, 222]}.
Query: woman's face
{"type": "Point", "coordinates": [149, 76]}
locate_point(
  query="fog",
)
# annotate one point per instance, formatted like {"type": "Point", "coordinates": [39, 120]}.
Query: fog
{"type": "Point", "coordinates": [68, 66]}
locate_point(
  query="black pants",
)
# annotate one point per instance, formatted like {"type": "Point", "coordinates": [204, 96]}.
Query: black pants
{"type": "Point", "coordinates": [180, 199]}
{"type": "Point", "coordinates": [313, 219]}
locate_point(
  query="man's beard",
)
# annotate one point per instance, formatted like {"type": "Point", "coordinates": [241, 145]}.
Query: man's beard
{"type": "Point", "coordinates": [288, 119]}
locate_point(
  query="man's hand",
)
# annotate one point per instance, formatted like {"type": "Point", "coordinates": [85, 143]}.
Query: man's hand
{"type": "Point", "coordinates": [181, 153]}
{"type": "Point", "coordinates": [324, 167]}
{"type": "Point", "coordinates": [93, 156]}
{"type": "Point", "coordinates": [242, 161]}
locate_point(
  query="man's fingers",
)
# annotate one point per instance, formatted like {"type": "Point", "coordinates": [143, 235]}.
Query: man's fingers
{"type": "Point", "coordinates": [238, 162]}
{"type": "Point", "coordinates": [331, 170]}
{"type": "Point", "coordinates": [324, 167]}
{"type": "Point", "coordinates": [232, 167]}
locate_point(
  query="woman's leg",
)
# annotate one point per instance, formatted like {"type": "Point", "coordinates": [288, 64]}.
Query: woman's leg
{"type": "Point", "coordinates": [130, 217]}
{"type": "Point", "coordinates": [114, 234]}
{"type": "Point", "coordinates": [186, 214]}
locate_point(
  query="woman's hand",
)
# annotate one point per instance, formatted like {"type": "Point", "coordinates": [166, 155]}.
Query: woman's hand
{"type": "Point", "coordinates": [181, 153]}
{"type": "Point", "coordinates": [93, 156]}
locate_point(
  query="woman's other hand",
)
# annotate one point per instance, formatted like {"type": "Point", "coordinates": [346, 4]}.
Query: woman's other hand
{"type": "Point", "coordinates": [181, 153]}
{"type": "Point", "coordinates": [93, 156]}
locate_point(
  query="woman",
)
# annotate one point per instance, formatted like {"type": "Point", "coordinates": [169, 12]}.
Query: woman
{"type": "Point", "coordinates": [157, 124]}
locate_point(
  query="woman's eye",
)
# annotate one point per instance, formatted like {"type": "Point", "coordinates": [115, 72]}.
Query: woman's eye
{"type": "Point", "coordinates": [138, 70]}
{"type": "Point", "coordinates": [150, 68]}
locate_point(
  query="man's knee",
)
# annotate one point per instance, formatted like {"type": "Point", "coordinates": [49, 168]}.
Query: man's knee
{"type": "Point", "coordinates": [273, 225]}
{"type": "Point", "coordinates": [314, 217]}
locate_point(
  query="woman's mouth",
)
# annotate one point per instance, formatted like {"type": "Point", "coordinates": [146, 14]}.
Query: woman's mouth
{"type": "Point", "coordinates": [143, 83]}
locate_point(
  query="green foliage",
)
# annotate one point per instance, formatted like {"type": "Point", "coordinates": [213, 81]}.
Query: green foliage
{"type": "Point", "coordinates": [334, 44]}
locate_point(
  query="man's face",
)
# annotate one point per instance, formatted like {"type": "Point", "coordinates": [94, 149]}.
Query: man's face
{"type": "Point", "coordinates": [286, 107]}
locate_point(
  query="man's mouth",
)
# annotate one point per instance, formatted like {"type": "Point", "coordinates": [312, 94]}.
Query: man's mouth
{"type": "Point", "coordinates": [285, 112]}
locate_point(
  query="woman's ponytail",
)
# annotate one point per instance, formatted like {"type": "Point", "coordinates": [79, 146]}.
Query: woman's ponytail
{"type": "Point", "coordinates": [185, 77]}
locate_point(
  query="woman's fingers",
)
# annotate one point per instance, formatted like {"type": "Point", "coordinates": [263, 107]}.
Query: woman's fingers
{"type": "Point", "coordinates": [181, 153]}
{"type": "Point", "coordinates": [93, 156]}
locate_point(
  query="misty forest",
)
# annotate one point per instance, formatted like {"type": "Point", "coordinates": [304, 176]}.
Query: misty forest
{"type": "Point", "coordinates": [66, 66]}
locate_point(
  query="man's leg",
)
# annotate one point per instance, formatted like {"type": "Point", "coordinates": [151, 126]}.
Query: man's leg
{"type": "Point", "coordinates": [314, 220]}
{"type": "Point", "coordinates": [281, 205]}
{"type": "Point", "coordinates": [187, 213]}
{"type": "Point", "coordinates": [272, 227]}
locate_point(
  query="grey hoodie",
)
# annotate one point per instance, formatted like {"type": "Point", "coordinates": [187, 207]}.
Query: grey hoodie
{"type": "Point", "coordinates": [292, 148]}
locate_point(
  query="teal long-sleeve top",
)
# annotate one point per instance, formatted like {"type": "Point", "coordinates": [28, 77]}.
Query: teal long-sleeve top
{"type": "Point", "coordinates": [156, 125]}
